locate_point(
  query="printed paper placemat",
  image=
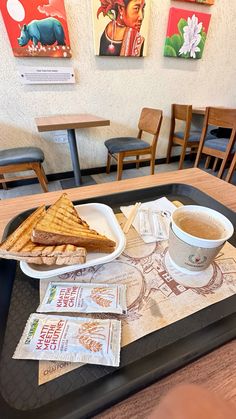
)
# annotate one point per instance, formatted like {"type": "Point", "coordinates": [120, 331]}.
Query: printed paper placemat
{"type": "Point", "coordinates": [157, 294]}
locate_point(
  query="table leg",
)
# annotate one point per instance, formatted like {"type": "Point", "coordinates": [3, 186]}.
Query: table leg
{"type": "Point", "coordinates": [74, 156]}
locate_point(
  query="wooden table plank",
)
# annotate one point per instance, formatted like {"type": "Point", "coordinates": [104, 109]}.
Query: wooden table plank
{"type": "Point", "coordinates": [216, 188]}
{"type": "Point", "coordinates": [60, 122]}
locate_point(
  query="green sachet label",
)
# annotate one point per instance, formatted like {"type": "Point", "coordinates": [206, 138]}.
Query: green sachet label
{"type": "Point", "coordinates": [32, 331]}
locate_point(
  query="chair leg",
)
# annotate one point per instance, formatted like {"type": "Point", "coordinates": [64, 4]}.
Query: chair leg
{"type": "Point", "coordinates": [222, 167]}
{"type": "Point", "coordinates": [120, 166]}
{"type": "Point", "coordinates": [44, 174]}
{"type": "Point", "coordinates": [215, 164]}
{"type": "Point", "coordinates": [137, 163]}
{"type": "Point", "coordinates": [108, 164]}
{"type": "Point", "coordinates": [152, 164]}
{"type": "Point", "coordinates": [198, 156]}
{"type": "Point", "coordinates": [231, 169]}
{"type": "Point", "coordinates": [4, 185]}
{"type": "Point", "coordinates": [41, 177]}
{"type": "Point", "coordinates": [168, 156]}
{"type": "Point", "coordinates": [207, 163]}
{"type": "Point", "coordinates": [182, 157]}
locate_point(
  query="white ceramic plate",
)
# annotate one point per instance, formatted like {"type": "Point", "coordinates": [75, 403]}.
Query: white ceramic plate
{"type": "Point", "coordinates": [101, 218]}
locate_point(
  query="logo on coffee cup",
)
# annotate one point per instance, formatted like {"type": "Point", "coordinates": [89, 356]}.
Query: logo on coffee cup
{"type": "Point", "coordinates": [197, 260]}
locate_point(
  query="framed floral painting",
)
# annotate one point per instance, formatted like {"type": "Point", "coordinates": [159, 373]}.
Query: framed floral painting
{"type": "Point", "coordinates": [186, 33]}
{"type": "Point", "coordinates": [121, 27]}
{"type": "Point", "coordinates": [207, 2]}
{"type": "Point", "coordinates": [37, 28]}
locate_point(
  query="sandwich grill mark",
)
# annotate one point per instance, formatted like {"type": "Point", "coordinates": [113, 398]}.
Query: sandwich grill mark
{"type": "Point", "coordinates": [61, 220]}
{"type": "Point", "coordinates": [80, 233]}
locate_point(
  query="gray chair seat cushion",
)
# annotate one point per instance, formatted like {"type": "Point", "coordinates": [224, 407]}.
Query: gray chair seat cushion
{"type": "Point", "coordinates": [117, 145]}
{"type": "Point", "coordinates": [21, 155]}
{"type": "Point", "coordinates": [194, 135]}
{"type": "Point", "coordinates": [219, 144]}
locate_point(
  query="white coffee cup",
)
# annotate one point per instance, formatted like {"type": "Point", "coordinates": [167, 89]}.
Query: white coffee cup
{"type": "Point", "coordinates": [213, 215]}
{"type": "Point", "coordinates": [192, 253]}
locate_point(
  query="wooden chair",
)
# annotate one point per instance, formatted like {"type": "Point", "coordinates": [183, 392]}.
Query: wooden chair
{"type": "Point", "coordinates": [21, 159]}
{"type": "Point", "coordinates": [231, 170]}
{"type": "Point", "coordinates": [186, 139]}
{"type": "Point", "coordinates": [220, 148]}
{"type": "Point", "coordinates": [122, 147]}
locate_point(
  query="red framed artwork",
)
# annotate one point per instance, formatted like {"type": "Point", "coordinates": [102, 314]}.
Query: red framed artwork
{"type": "Point", "coordinates": [207, 2]}
{"type": "Point", "coordinates": [186, 33]}
{"type": "Point", "coordinates": [37, 28]}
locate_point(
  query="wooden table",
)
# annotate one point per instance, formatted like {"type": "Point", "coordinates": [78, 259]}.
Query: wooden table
{"type": "Point", "coordinates": [199, 111]}
{"type": "Point", "coordinates": [217, 370]}
{"type": "Point", "coordinates": [70, 123]}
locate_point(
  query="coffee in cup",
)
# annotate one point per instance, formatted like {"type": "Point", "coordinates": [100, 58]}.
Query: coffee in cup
{"type": "Point", "coordinates": [202, 225]}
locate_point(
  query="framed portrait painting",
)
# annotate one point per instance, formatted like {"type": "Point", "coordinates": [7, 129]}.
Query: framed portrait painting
{"type": "Point", "coordinates": [186, 33]}
{"type": "Point", "coordinates": [37, 28]}
{"type": "Point", "coordinates": [120, 27]}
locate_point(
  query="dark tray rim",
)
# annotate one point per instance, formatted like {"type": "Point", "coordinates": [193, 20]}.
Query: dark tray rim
{"type": "Point", "coordinates": [218, 333]}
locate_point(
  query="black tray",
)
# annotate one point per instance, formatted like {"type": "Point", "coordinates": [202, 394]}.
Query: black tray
{"type": "Point", "coordinates": [90, 389]}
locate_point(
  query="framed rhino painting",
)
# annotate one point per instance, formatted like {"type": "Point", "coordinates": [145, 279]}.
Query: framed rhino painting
{"type": "Point", "coordinates": [186, 33]}
{"type": "Point", "coordinates": [37, 28]}
{"type": "Point", "coordinates": [121, 27]}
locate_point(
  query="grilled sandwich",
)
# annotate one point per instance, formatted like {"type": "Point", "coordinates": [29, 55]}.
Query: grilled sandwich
{"type": "Point", "coordinates": [61, 224]}
{"type": "Point", "coordinates": [20, 247]}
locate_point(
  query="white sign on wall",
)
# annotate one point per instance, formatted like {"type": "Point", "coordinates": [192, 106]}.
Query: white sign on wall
{"type": "Point", "coordinates": [47, 75]}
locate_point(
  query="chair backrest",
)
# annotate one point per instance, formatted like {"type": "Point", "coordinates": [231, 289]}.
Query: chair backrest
{"type": "Point", "coordinates": [221, 117]}
{"type": "Point", "coordinates": [150, 120]}
{"type": "Point", "coordinates": [182, 112]}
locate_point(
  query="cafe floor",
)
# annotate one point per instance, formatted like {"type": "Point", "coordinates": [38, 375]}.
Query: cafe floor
{"type": "Point", "coordinates": [93, 179]}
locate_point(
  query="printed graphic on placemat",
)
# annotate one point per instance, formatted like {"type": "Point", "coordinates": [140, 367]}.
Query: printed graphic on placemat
{"type": "Point", "coordinates": [157, 294]}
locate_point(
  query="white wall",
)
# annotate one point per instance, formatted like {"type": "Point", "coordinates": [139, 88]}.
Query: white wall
{"type": "Point", "coordinates": [116, 88]}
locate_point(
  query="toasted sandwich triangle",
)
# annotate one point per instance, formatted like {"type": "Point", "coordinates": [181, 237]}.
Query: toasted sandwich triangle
{"type": "Point", "coordinates": [19, 246]}
{"type": "Point", "coordinates": [62, 224]}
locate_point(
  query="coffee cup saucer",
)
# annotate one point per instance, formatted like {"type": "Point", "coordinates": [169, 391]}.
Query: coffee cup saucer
{"type": "Point", "coordinates": [187, 278]}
